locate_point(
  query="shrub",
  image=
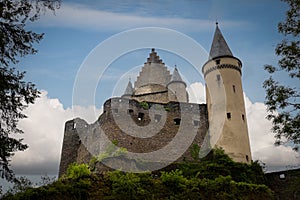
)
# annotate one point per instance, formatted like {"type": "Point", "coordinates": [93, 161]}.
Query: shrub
{"type": "Point", "coordinates": [174, 180]}
{"type": "Point", "coordinates": [76, 171]}
{"type": "Point", "coordinates": [144, 105]}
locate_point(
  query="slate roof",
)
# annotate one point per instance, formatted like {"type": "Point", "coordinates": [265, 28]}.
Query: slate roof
{"type": "Point", "coordinates": [129, 89]}
{"type": "Point", "coordinates": [219, 46]}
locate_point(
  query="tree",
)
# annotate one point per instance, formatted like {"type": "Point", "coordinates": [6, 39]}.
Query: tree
{"type": "Point", "coordinates": [283, 100]}
{"type": "Point", "coordinates": [15, 93]}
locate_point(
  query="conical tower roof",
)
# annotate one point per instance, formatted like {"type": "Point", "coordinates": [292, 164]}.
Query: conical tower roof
{"type": "Point", "coordinates": [129, 89]}
{"type": "Point", "coordinates": [219, 46]}
{"type": "Point", "coordinates": [176, 77]}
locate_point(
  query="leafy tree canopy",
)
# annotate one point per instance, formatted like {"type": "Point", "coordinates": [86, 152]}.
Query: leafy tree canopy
{"type": "Point", "coordinates": [15, 93]}
{"type": "Point", "coordinates": [283, 100]}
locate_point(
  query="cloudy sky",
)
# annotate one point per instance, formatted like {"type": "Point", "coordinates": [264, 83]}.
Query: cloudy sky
{"type": "Point", "coordinates": [80, 29]}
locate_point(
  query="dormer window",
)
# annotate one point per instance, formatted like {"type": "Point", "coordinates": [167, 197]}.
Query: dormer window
{"type": "Point", "coordinates": [218, 61]}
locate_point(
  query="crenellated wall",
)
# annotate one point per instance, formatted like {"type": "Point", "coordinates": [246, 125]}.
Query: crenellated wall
{"type": "Point", "coordinates": [138, 127]}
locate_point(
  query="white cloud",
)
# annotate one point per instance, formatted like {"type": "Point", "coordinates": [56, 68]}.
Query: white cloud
{"type": "Point", "coordinates": [44, 130]}
{"type": "Point", "coordinates": [81, 17]}
{"type": "Point", "coordinates": [262, 140]}
{"type": "Point", "coordinates": [261, 137]}
{"type": "Point", "coordinates": [196, 93]}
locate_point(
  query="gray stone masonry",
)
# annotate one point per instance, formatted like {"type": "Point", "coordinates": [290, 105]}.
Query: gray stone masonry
{"type": "Point", "coordinates": [138, 127]}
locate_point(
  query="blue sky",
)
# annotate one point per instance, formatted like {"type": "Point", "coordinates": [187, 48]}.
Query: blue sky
{"type": "Point", "coordinates": [79, 28]}
{"type": "Point", "coordinates": [250, 28]}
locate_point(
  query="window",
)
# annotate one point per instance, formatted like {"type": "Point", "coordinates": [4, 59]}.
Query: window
{"type": "Point", "coordinates": [141, 116]}
{"type": "Point", "coordinates": [247, 158]}
{"type": "Point", "coordinates": [157, 118]}
{"type": "Point", "coordinates": [129, 111]}
{"type": "Point", "coordinates": [196, 123]}
{"type": "Point", "coordinates": [243, 117]}
{"type": "Point", "coordinates": [218, 77]}
{"type": "Point", "coordinates": [177, 121]}
{"type": "Point", "coordinates": [228, 115]}
{"type": "Point", "coordinates": [218, 61]}
{"type": "Point", "coordinates": [233, 88]}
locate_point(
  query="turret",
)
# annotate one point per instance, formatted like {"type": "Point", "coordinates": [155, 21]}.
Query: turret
{"type": "Point", "coordinates": [177, 88]}
{"type": "Point", "coordinates": [128, 91]}
{"type": "Point", "coordinates": [225, 101]}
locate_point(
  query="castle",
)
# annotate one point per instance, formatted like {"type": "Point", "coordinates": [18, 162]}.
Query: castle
{"type": "Point", "coordinates": [153, 124]}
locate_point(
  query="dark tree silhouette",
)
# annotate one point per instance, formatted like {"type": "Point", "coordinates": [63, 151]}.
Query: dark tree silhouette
{"type": "Point", "coordinates": [282, 100]}
{"type": "Point", "coordinates": [15, 93]}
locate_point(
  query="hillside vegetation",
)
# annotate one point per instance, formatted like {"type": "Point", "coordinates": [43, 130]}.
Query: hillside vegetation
{"type": "Point", "coordinates": [216, 177]}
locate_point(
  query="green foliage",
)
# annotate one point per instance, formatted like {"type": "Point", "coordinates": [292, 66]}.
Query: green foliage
{"type": "Point", "coordinates": [144, 105]}
{"type": "Point", "coordinates": [216, 177]}
{"type": "Point", "coordinates": [15, 93]}
{"type": "Point", "coordinates": [61, 189]}
{"type": "Point", "coordinates": [127, 186]}
{"type": "Point", "coordinates": [195, 149]}
{"type": "Point", "coordinates": [283, 100]}
{"type": "Point", "coordinates": [218, 163]}
{"type": "Point", "coordinates": [76, 171]}
{"type": "Point", "coordinates": [111, 151]}
{"type": "Point", "coordinates": [174, 180]}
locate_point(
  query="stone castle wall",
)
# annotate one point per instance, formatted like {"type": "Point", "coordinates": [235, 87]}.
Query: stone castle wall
{"type": "Point", "coordinates": [139, 127]}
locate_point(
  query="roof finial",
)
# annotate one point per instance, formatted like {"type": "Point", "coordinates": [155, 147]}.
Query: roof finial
{"type": "Point", "coordinates": [217, 22]}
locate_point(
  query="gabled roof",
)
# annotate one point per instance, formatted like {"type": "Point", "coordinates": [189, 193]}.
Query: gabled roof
{"type": "Point", "coordinates": [219, 46]}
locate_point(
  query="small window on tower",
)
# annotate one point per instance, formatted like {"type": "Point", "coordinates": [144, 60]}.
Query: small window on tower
{"type": "Point", "coordinates": [129, 111]}
{"type": "Point", "coordinates": [247, 158]}
{"type": "Point", "coordinates": [218, 77]}
{"type": "Point", "coordinates": [233, 88]}
{"type": "Point", "coordinates": [228, 115]}
{"type": "Point", "coordinates": [141, 116]}
{"type": "Point", "coordinates": [157, 118]}
{"type": "Point", "coordinates": [177, 121]}
{"type": "Point", "coordinates": [218, 61]}
{"type": "Point", "coordinates": [196, 123]}
{"type": "Point", "coordinates": [243, 117]}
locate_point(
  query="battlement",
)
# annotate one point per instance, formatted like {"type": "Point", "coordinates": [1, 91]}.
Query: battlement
{"type": "Point", "coordinates": [139, 127]}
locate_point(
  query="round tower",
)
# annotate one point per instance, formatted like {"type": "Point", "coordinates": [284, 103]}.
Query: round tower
{"type": "Point", "coordinates": [177, 88]}
{"type": "Point", "coordinates": [225, 101]}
